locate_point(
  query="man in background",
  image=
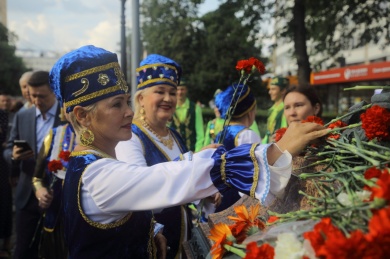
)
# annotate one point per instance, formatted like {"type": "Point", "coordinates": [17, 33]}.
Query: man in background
{"type": "Point", "coordinates": [188, 120]}
{"type": "Point", "coordinates": [32, 125]}
{"type": "Point", "coordinates": [5, 102]}
{"type": "Point", "coordinates": [276, 119]}
{"type": "Point", "coordinates": [24, 89]}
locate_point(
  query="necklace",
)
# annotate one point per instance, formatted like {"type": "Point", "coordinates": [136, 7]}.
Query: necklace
{"type": "Point", "coordinates": [98, 150]}
{"type": "Point", "coordinates": [166, 142]}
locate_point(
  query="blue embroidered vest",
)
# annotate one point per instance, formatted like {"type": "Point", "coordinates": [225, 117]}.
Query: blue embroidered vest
{"type": "Point", "coordinates": [130, 237]}
{"type": "Point", "coordinates": [172, 218]}
{"type": "Point", "coordinates": [54, 212]}
{"type": "Point", "coordinates": [230, 196]}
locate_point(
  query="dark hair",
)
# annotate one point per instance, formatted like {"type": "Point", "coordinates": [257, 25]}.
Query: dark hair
{"type": "Point", "coordinates": [39, 78]}
{"type": "Point", "coordinates": [16, 106]}
{"type": "Point", "coordinates": [307, 91]}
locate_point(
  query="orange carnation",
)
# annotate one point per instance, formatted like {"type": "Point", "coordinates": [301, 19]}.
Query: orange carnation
{"type": "Point", "coordinates": [221, 235]}
{"type": "Point", "coordinates": [245, 221]}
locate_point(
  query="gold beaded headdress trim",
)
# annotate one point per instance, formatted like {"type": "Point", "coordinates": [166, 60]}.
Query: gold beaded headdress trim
{"type": "Point", "coordinates": [154, 81]}
{"type": "Point", "coordinates": [93, 95]}
{"type": "Point", "coordinates": [156, 65]}
{"type": "Point", "coordinates": [91, 71]}
{"type": "Point", "coordinates": [157, 73]}
{"type": "Point", "coordinates": [91, 80]}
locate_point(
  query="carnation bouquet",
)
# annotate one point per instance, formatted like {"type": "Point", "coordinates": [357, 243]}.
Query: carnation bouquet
{"type": "Point", "coordinates": [58, 166]}
{"type": "Point", "coordinates": [246, 68]}
{"type": "Point", "coordinates": [347, 213]}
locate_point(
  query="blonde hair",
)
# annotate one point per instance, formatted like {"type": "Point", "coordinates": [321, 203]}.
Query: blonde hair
{"type": "Point", "coordinates": [73, 120]}
{"type": "Point", "coordinates": [137, 105]}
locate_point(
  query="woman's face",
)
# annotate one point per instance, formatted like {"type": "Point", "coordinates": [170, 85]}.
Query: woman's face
{"type": "Point", "coordinates": [297, 107]}
{"type": "Point", "coordinates": [111, 120]}
{"type": "Point", "coordinates": [159, 102]}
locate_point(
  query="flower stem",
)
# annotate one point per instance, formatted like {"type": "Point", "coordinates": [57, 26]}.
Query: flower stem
{"type": "Point", "coordinates": [234, 250]}
{"type": "Point", "coordinates": [347, 114]}
{"type": "Point", "coordinates": [351, 126]}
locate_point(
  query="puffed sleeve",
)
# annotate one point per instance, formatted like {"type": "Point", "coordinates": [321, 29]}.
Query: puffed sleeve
{"type": "Point", "coordinates": [118, 187]}
{"type": "Point", "coordinates": [131, 151]}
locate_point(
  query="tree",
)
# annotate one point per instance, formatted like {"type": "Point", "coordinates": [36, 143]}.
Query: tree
{"type": "Point", "coordinates": [206, 47]}
{"type": "Point", "coordinates": [331, 26]}
{"type": "Point", "coordinates": [230, 34]}
{"type": "Point", "coordinates": [11, 67]}
{"type": "Point", "coordinates": [338, 25]}
{"type": "Point", "coordinates": [169, 28]}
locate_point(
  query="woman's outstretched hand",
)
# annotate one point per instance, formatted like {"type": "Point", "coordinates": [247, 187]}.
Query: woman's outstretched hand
{"type": "Point", "coordinates": [299, 135]}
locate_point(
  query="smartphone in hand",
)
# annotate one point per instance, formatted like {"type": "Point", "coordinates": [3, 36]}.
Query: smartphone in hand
{"type": "Point", "coordinates": [23, 144]}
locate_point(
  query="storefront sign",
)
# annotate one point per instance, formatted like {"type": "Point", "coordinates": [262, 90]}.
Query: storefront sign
{"type": "Point", "coordinates": [369, 72]}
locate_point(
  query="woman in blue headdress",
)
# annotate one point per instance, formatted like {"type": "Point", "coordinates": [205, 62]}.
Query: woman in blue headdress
{"type": "Point", "coordinates": [107, 202]}
{"type": "Point", "coordinates": [238, 131]}
{"type": "Point", "coordinates": [153, 142]}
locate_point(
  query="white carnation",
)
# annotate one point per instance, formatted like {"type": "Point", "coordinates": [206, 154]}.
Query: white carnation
{"type": "Point", "coordinates": [288, 247]}
{"type": "Point", "coordinates": [343, 198]}
{"type": "Point", "coordinates": [363, 195]}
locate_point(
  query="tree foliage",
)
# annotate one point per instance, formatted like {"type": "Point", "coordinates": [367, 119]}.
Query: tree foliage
{"type": "Point", "coordinates": [331, 26]}
{"type": "Point", "coordinates": [11, 67]}
{"type": "Point", "coordinates": [345, 24]}
{"type": "Point", "coordinates": [206, 47]}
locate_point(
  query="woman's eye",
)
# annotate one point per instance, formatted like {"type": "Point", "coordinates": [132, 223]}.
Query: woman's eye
{"type": "Point", "coordinates": [128, 103]}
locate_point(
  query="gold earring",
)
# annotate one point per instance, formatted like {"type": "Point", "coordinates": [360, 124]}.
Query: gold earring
{"type": "Point", "coordinates": [142, 112]}
{"type": "Point", "coordinates": [86, 137]}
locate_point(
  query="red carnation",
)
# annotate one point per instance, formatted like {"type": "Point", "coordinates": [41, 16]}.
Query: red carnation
{"type": "Point", "coordinates": [372, 172]}
{"type": "Point", "coordinates": [257, 64]}
{"type": "Point", "coordinates": [64, 155]}
{"type": "Point", "coordinates": [244, 65]}
{"type": "Point", "coordinates": [376, 123]}
{"type": "Point", "coordinates": [337, 124]}
{"type": "Point", "coordinates": [379, 232]}
{"type": "Point", "coordinates": [382, 188]}
{"type": "Point", "coordinates": [55, 165]}
{"type": "Point", "coordinates": [264, 251]}
{"type": "Point", "coordinates": [279, 134]}
{"type": "Point", "coordinates": [249, 65]}
{"type": "Point", "coordinates": [314, 119]}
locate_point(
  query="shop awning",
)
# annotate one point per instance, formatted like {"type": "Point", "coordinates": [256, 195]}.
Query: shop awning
{"type": "Point", "coordinates": [366, 72]}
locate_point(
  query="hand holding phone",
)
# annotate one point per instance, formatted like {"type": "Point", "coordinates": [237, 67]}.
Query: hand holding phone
{"type": "Point", "coordinates": [23, 150]}
{"type": "Point", "coordinates": [22, 144]}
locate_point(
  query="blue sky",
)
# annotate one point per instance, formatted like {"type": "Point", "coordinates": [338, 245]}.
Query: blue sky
{"type": "Point", "coordinates": [63, 25]}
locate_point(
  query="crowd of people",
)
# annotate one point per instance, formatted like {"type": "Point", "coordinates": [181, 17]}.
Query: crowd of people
{"type": "Point", "coordinates": [99, 180]}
